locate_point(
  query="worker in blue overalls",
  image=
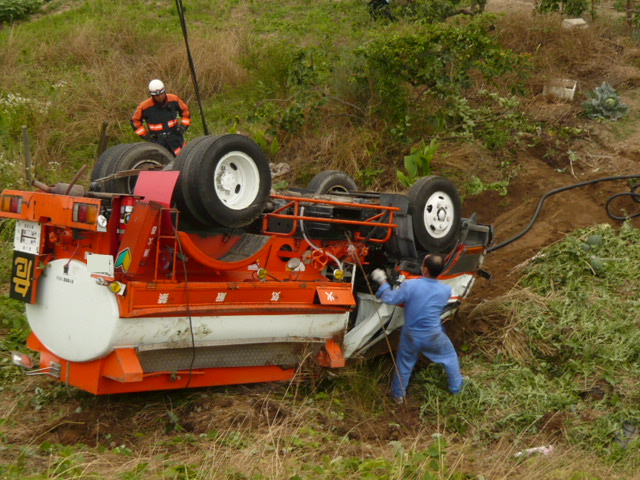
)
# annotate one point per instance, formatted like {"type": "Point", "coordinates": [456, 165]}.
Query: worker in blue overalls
{"type": "Point", "coordinates": [424, 299]}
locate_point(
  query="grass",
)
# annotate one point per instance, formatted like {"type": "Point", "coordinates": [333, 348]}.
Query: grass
{"type": "Point", "coordinates": [559, 353]}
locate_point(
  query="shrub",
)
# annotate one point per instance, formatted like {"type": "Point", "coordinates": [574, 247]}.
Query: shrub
{"type": "Point", "coordinates": [434, 63]}
{"type": "Point", "coordinates": [12, 10]}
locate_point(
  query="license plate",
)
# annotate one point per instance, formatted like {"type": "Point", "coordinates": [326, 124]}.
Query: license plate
{"type": "Point", "coordinates": [27, 237]}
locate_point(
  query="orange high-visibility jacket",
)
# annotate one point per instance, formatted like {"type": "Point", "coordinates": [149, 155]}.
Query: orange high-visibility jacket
{"type": "Point", "coordinates": [160, 117]}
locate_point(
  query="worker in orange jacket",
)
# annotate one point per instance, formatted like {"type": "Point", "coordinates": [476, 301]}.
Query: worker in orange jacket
{"type": "Point", "coordinates": [160, 112]}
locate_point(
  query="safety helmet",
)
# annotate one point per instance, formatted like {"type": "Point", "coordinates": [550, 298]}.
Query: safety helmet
{"type": "Point", "coordinates": [156, 87]}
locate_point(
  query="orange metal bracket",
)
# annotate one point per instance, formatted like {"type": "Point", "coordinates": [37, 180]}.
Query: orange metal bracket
{"type": "Point", "coordinates": [331, 355]}
{"type": "Point", "coordinates": [123, 366]}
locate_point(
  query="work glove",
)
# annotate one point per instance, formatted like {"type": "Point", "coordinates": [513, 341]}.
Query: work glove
{"type": "Point", "coordinates": [379, 276]}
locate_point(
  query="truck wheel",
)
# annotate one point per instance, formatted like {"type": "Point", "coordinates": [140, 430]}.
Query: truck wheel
{"type": "Point", "coordinates": [107, 158]}
{"type": "Point", "coordinates": [192, 213]}
{"type": "Point", "coordinates": [129, 156]}
{"type": "Point", "coordinates": [434, 205]}
{"type": "Point", "coordinates": [225, 180]}
{"type": "Point", "coordinates": [332, 181]}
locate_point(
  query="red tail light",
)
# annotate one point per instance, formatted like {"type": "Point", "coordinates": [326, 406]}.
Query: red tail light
{"type": "Point", "coordinates": [85, 213]}
{"type": "Point", "coordinates": [11, 203]}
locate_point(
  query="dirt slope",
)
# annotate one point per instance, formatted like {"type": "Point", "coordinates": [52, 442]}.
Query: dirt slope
{"type": "Point", "coordinates": [601, 152]}
{"type": "Point", "coordinates": [107, 421]}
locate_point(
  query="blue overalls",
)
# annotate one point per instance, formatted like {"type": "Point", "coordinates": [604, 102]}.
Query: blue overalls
{"type": "Point", "coordinates": [424, 299]}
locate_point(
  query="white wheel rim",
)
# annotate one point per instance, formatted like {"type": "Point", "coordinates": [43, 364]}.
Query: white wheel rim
{"type": "Point", "coordinates": [438, 214]}
{"type": "Point", "coordinates": [236, 180]}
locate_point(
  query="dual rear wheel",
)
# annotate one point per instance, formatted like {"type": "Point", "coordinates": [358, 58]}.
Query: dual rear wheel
{"type": "Point", "coordinates": [225, 180]}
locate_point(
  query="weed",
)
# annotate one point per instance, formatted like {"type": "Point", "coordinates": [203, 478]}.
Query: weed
{"type": "Point", "coordinates": [418, 163]}
{"type": "Point", "coordinates": [476, 186]}
{"type": "Point", "coordinates": [578, 327]}
{"type": "Point", "coordinates": [571, 8]}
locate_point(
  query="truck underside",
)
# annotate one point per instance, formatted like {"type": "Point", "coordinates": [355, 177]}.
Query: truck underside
{"type": "Point", "coordinates": [199, 274]}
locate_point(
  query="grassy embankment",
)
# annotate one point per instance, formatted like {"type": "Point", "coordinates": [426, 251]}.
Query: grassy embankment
{"type": "Point", "coordinates": [321, 86]}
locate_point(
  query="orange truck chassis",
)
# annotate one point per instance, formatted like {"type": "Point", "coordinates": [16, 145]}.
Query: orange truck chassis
{"type": "Point", "coordinates": [121, 297]}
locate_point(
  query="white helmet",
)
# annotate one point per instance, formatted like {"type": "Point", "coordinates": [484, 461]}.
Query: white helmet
{"type": "Point", "coordinates": [156, 87]}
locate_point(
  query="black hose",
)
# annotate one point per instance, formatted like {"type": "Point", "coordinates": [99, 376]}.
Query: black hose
{"type": "Point", "coordinates": [633, 194]}
{"type": "Point", "coordinates": [192, 66]}
{"type": "Point", "coordinates": [562, 189]}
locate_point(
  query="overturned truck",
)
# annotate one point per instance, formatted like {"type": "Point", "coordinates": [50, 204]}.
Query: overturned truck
{"type": "Point", "coordinates": [194, 273]}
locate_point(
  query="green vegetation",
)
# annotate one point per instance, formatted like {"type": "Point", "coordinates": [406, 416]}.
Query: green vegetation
{"type": "Point", "coordinates": [570, 348]}
{"type": "Point", "coordinates": [418, 163]}
{"type": "Point", "coordinates": [12, 10]}
{"type": "Point", "coordinates": [278, 74]}
{"type": "Point", "coordinates": [604, 104]}
{"type": "Point", "coordinates": [477, 186]}
{"type": "Point", "coordinates": [560, 368]}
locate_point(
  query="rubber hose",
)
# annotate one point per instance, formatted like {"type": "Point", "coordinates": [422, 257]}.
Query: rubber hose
{"type": "Point", "coordinates": [559, 190]}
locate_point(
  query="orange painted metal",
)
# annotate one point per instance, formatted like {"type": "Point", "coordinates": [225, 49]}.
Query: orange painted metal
{"type": "Point", "coordinates": [138, 245]}
{"type": "Point", "coordinates": [51, 208]}
{"type": "Point", "coordinates": [216, 247]}
{"type": "Point", "coordinates": [331, 355]}
{"type": "Point", "coordinates": [201, 298]}
{"type": "Point", "coordinates": [336, 295]}
{"type": "Point", "coordinates": [119, 373]}
{"type": "Point", "coordinates": [171, 273]}
{"type": "Point", "coordinates": [295, 216]}
{"type": "Point", "coordinates": [123, 366]}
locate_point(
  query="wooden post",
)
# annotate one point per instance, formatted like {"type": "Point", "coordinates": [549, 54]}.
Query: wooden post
{"type": "Point", "coordinates": [104, 140]}
{"type": "Point", "coordinates": [27, 154]}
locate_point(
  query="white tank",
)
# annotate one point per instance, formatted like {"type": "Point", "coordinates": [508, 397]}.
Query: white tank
{"type": "Point", "coordinates": [78, 320]}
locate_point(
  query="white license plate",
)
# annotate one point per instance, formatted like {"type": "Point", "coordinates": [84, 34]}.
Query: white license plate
{"type": "Point", "coordinates": [27, 237]}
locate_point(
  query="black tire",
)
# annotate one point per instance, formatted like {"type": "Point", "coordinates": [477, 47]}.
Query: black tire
{"type": "Point", "coordinates": [332, 181]}
{"type": "Point", "coordinates": [192, 213]}
{"type": "Point", "coordinates": [129, 156]}
{"type": "Point", "coordinates": [107, 158]}
{"type": "Point", "coordinates": [225, 180]}
{"type": "Point", "coordinates": [435, 206]}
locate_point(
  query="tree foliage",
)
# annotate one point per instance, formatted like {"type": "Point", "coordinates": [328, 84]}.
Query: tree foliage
{"type": "Point", "coordinates": [434, 63]}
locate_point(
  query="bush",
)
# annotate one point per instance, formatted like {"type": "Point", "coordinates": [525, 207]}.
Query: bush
{"type": "Point", "coordinates": [12, 10]}
{"type": "Point", "coordinates": [433, 63]}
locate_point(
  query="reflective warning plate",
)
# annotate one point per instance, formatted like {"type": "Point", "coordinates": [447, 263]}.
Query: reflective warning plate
{"type": "Point", "coordinates": [27, 237]}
